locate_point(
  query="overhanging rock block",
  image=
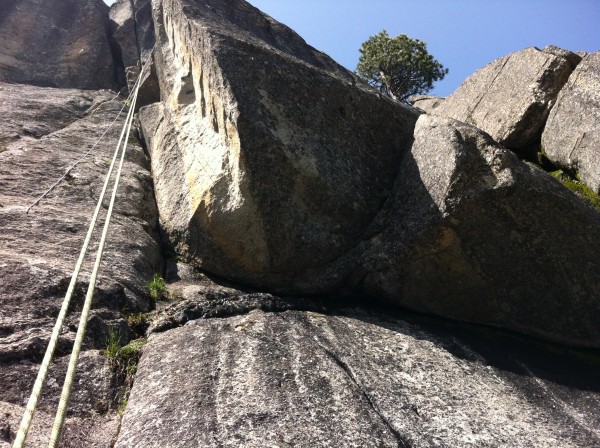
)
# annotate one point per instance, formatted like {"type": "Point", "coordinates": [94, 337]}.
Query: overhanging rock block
{"type": "Point", "coordinates": [269, 158]}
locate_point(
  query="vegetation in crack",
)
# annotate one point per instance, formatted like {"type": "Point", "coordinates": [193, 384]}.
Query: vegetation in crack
{"type": "Point", "coordinates": [124, 361]}
{"type": "Point", "coordinates": [157, 287]}
{"type": "Point", "coordinates": [570, 179]}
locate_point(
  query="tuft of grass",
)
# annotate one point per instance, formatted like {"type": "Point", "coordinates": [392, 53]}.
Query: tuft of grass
{"type": "Point", "coordinates": [122, 406]}
{"type": "Point", "coordinates": [124, 361]}
{"type": "Point", "coordinates": [157, 287]}
{"type": "Point", "coordinates": [113, 343]}
{"type": "Point", "coordinates": [138, 319]}
{"type": "Point", "coordinates": [578, 187]}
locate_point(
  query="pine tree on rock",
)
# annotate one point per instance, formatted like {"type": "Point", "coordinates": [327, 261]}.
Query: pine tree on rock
{"type": "Point", "coordinates": [399, 67]}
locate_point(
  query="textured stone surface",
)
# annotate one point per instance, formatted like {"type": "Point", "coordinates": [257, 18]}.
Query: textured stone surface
{"type": "Point", "coordinates": [90, 422]}
{"type": "Point", "coordinates": [353, 379]}
{"type": "Point", "coordinates": [571, 137]}
{"type": "Point", "coordinates": [268, 159]}
{"type": "Point", "coordinates": [426, 103]}
{"type": "Point", "coordinates": [511, 97]}
{"type": "Point", "coordinates": [132, 29]}
{"type": "Point", "coordinates": [41, 137]}
{"type": "Point", "coordinates": [56, 43]}
{"type": "Point", "coordinates": [95, 431]}
{"type": "Point", "coordinates": [470, 232]}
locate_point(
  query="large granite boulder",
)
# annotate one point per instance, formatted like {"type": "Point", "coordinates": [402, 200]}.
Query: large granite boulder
{"type": "Point", "coordinates": [471, 232]}
{"type": "Point", "coordinates": [45, 131]}
{"type": "Point", "coordinates": [571, 137]}
{"type": "Point", "coordinates": [511, 97]}
{"type": "Point", "coordinates": [56, 43]}
{"type": "Point", "coordinates": [355, 378]}
{"type": "Point", "coordinates": [274, 169]}
{"type": "Point", "coordinates": [132, 29]}
{"type": "Point", "coordinates": [269, 159]}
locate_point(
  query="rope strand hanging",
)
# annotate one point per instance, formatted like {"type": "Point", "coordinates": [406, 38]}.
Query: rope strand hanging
{"type": "Point", "coordinates": [44, 367]}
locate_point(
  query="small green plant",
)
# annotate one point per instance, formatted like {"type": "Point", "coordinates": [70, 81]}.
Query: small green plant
{"type": "Point", "coordinates": [578, 187]}
{"type": "Point", "coordinates": [138, 319]}
{"type": "Point", "coordinates": [113, 343]}
{"type": "Point", "coordinates": [157, 287]}
{"type": "Point", "coordinates": [122, 406]}
{"type": "Point", "coordinates": [124, 361]}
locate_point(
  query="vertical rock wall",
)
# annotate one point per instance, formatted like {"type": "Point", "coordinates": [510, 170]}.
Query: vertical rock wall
{"type": "Point", "coordinates": [269, 159]}
{"type": "Point", "coordinates": [56, 43]}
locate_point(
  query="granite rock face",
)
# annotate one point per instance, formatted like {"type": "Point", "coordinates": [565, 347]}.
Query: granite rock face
{"type": "Point", "coordinates": [133, 32]}
{"type": "Point", "coordinates": [56, 43]}
{"type": "Point", "coordinates": [268, 158]}
{"type": "Point", "coordinates": [426, 103]}
{"type": "Point", "coordinates": [467, 234]}
{"type": "Point", "coordinates": [274, 170]}
{"type": "Point", "coordinates": [355, 378]}
{"type": "Point", "coordinates": [571, 137]}
{"type": "Point", "coordinates": [45, 131]}
{"type": "Point", "coordinates": [511, 97]}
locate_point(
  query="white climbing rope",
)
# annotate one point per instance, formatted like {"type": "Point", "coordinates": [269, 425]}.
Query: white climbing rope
{"type": "Point", "coordinates": [43, 371]}
{"type": "Point", "coordinates": [67, 387]}
{"type": "Point", "coordinates": [82, 158]}
{"type": "Point", "coordinates": [72, 167]}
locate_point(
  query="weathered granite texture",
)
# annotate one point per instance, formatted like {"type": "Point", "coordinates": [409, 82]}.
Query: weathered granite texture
{"type": "Point", "coordinates": [56, 43]}
{"type": "Point", "coordinates": [427, 103]}
{"type": "Point", "coordinates": [45, 130]}
{"type": "Point", "coordinates": [133, 32]}
{"type": "Point", "coordinates": [511, 97]}
{"type": "Point", "coordinates": [263, 176]}
{"type": "Point", "coordinates": [269, 159]}
{"type": "Point", "coordinates": [571, 137]}
{"type": "Point", "coordinates": [356, 378]}
{"type": "Point", "coordinates": [471, 232]}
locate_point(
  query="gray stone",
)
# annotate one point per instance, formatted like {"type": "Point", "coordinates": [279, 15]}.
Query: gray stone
{"type": "Point", "coordinates": [426, 103]}
{"type": "Point", "coordinates": [355, 378]}
{"type": "Point", "coordinates": [56, 43]}
{"type": "Point", "coordinates": [511, 97]}
{"type": "Point", "coordinates": [41, 137]}
{"type": "Point", "coordinates": [95, 431]}
{"type": "Point", "coordinates": [132, 29]}
{"type": "Point", "coordinates": [571, 137]}
{"type": "Point", "coordinates": [472, 233]}
{"type": "Point", "coordinates": [269, 159]}
{"type": "Point", "coordinates": [573, 58]}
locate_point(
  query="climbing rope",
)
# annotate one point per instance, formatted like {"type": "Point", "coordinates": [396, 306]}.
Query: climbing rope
{"type": "Point", "coordinates": [44, 367]}
{"type": "Point", "coordinates": [67, 387]}
{"type": "Point", "coordinates": [72, 167]}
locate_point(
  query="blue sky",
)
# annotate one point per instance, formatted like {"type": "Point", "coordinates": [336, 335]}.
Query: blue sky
{"type": "Point", "coordinates": [464, 35]}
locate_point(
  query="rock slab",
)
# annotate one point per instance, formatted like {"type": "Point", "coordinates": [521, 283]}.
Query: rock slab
{"type": "Point", "coordinates": [56, 43]}
{"type": "Point", "coordinates": [427, 103]}
{"type": "Point", "coordinates": [354, 378]}
{"type": "Point", "coordinates": [45, 131]}
{"type": "Point", "coordinates": [571, 137]}
{"type": "Point", "coordinates": [511, 97]}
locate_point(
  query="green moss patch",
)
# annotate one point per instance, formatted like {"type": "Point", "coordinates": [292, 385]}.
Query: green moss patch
{"type": "Point", "coordinates": [578, 187]}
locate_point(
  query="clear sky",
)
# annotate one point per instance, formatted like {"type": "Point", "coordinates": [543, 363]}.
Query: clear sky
{"type": "Point", "coordinates": [464, 35]}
